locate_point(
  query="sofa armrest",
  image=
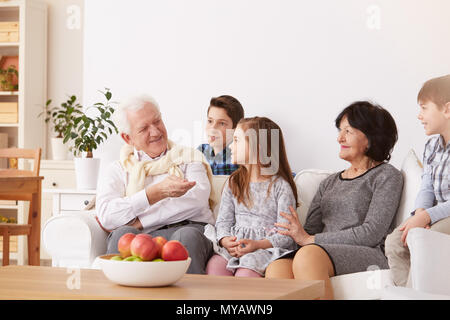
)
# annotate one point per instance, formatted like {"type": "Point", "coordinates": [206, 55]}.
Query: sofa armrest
{"type": "Point", "coordinates": [402, 293]}
{"type": "Point", "coordinates": [430, 260]}
{"type": "Point", "coordinates": [74, 239]}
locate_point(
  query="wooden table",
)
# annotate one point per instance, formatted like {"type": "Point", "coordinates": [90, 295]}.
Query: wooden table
{"type": "Point", "coordinates": [25, 186]}
{"type": "Point", "coordinates": [48, 283]}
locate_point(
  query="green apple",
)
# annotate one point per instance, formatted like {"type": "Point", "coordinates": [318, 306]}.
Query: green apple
{"type": "Point", "coordinates": [157, 260]}
{"type": "Point", "coordinates": [117, 258]}
{"type": "Point", "coordinates": [132, 258]}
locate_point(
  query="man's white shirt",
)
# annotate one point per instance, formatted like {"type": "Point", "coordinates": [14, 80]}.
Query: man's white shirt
{"type": "Point", "coordinates": [114, 209]}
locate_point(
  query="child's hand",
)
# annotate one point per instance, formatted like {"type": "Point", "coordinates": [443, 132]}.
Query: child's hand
{"type": "Point", "coordinates": [246, 246]}
{"type": "Point", "coordinates": [230, 244]}
{"type": "Point", "coordinates": [421, 219]}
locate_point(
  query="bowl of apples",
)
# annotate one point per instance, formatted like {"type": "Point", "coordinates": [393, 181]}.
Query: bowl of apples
{"type": "Point", "coordinates": [144, 261]}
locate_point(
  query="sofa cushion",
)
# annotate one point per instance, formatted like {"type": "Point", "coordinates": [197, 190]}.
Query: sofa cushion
{"type": "Point", "coordinates": [218, 182]}
{"type": "Point", "coordinates": [365, 285]}
{"type": "Point", "coordinates": [307, 182]}
{"type": "Point", "coordinates": [430, 260]}
{"type": "Point", "coordinates": [412, 175]}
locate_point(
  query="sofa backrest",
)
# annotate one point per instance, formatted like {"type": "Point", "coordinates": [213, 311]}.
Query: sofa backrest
{"type": "Point", "coordinates": [308, 181]}
{"type": "Point", "coordinates": [218, 182]}
{"type": "Point", "coordinates": [412, 170]}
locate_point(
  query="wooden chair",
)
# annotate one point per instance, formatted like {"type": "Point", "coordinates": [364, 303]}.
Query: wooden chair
{"type": "Point", "coordinates": [32, 228]}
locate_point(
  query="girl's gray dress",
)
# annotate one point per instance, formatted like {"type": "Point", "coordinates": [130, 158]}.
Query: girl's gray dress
{"type": "Point", "coordinates": [256, 223]}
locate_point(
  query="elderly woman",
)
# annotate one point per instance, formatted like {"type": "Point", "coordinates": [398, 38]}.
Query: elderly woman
{"type": "Point", "coordinates": [353, 210]}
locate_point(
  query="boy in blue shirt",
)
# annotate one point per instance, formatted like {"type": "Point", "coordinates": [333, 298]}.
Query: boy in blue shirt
{"type": "Point", "coordinates": [223, 113]}
{"type": "Point", "coordinates": [432, 206]}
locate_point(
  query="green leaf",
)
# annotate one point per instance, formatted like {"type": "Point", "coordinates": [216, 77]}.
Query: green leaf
{"type": "Point", "coordinates": [108, 95]}
{"type": "Point", "coordinates": [111, 123]}
{"type": "Point", "coordinates": [66, 138]}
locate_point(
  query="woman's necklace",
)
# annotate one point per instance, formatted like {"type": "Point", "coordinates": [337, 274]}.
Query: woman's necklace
{"type": "Point", "coordinates": [347, 172]}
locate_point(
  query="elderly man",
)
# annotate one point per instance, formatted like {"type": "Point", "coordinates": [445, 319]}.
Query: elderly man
{"type": "Point", "coordinates": [139, 195]}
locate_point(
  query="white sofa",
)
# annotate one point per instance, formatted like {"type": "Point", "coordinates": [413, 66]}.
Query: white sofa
{"type": "Point", "coordinates": [430, 263]}
{"type": "Point", "coordinates": [76, 239]}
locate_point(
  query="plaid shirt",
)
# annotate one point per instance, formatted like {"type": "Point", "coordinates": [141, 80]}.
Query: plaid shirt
{"type": "Point", "coordinates": [220, 163]}
{"type": "Point", "coordinates": [434, 194]}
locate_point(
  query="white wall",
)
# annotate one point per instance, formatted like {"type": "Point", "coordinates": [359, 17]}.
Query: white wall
{"type": "Point", "coordinates": [65, 53]}
{"type": "Point", "coordinates": [297, 62]}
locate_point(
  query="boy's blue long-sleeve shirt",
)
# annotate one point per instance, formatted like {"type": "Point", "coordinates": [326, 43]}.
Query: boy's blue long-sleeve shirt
{"type": "Point", "coordinates": [434, 193]}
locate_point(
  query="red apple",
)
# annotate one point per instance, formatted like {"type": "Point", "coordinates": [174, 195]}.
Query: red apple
{"type": "Point", "coordinates": [124, 244]}
{"type": "Point", "coordinates": [174, 250]}
{"type": "Point", "coordinates": [144, 247]}
{"type": "Point", "coordinates": [160, 242]}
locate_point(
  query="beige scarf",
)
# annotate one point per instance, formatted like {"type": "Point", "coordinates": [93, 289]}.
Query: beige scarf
{"type": "Point", "coordinates": [169, 163]}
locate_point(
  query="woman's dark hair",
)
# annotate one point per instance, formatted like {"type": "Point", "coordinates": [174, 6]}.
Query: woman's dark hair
{"type": "Point", "coordinates": [376, 123]}
{"type": "Point", "coordinates": [232, 107]}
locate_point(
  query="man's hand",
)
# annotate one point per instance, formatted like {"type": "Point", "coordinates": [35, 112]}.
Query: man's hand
{"type": "Point", "coordinates": [171, 186]}
{"type": "Point", "coordinates": [230, 244]}
{"type": "Point", "coordinates": [136, 224]}
{"type": "Point", "coordinates": [420, 219]}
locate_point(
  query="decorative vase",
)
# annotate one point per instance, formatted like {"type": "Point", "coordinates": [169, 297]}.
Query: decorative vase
{"type": "Point", "coordinates": [86, 171]}
{"type": "Point", "coordinates": [59, 149]}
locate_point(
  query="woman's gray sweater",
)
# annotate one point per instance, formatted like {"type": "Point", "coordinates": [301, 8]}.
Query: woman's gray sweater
{"type": "Point", "coordinates": [355, 212]}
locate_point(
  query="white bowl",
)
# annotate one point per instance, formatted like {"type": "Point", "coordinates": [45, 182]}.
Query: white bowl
{"type": "Point", "coordinates": [143, 273]}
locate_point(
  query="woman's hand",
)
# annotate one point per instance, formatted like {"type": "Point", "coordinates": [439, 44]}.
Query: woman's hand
{"type": "Point", "coordinates": [230, 244]}
{"type": "Point", "coordinates": [294, 228]}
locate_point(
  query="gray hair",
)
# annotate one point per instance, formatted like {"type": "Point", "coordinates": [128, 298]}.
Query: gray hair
{"type": "Point", "coordinates": [135, 103]}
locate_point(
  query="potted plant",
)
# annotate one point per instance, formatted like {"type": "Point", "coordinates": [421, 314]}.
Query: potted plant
{"type": "Point", "coordinates": [7, 77]}
{"type": "Point", "coordinates": [87, 134]}
{"type": "Point", "coordinates": [61, 117]}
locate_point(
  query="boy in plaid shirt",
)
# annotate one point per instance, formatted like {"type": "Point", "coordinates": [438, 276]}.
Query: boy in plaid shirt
{"type": "Point", "coordinates": [224, 113]}
{"type": "Point", "coordinates": [432, 206]}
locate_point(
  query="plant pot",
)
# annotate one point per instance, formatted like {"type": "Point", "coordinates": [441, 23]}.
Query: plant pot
{"type": "Point", "coordinates": [86, 171]}
{"type": "Point", "coordinates": [59, 149]}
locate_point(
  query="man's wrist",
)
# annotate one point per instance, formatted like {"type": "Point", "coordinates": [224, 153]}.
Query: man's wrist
{"type": "Point", "coordinates": [153, 194]}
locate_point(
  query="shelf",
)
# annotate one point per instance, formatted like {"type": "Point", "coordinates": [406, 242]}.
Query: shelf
{"type": "Point", "coordinates": [9, 93]}
{"type": "Point", "coordinates": [9, 206]}
{"type": "Point", "coordinates": [10, 4]}
{"type": "Point", "coordinates": [9, 125]}
{"type": "Point", "coordinates": [9, 44]}
{"type": "Point", "coordinates": [31, 48]}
